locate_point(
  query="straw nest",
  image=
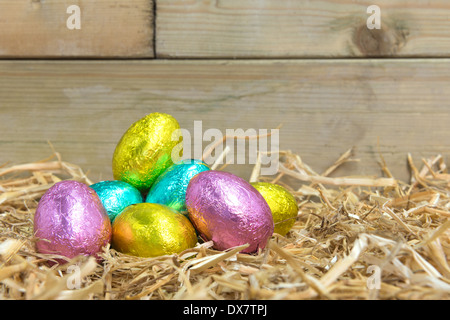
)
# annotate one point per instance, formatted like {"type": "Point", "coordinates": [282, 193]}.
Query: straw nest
{"type": "Point", "coordinates": [354, 238]}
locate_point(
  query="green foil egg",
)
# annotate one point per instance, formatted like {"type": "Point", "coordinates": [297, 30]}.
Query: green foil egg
{"type": "Point", "coordinates": [282, 204]}
{"type": "Point", "coordinates": [145, 150]}
{"type": "Point", "coordinates": [116, 195]}
{"type": "Point", "coordinates": [170, 187]}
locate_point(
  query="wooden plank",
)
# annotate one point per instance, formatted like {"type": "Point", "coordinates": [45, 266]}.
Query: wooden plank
{"type": "Point", "coordinates": [320, 28]}
{"type": "Point", "coordinates": [38, 28]}
{"type": "Point", "coordinates": [325, 106]}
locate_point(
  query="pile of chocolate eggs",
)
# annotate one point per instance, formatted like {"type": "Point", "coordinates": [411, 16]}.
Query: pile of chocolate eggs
{"type": "Point", "coordinates": [158, 204]}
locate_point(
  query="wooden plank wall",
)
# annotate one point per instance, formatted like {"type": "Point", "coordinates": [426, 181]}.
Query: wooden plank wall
{"type": "Point", "coordinates": [108, 29]}
{"type": "Point", "coordinates": [299, 29]}
{"type": "Point", "coordinates": [312, 66]}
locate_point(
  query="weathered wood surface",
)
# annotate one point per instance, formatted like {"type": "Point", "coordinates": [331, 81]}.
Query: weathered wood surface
{"type": "Point", "coordinates": [38, 28]}
{"type": "Point", "coordinates": [224, 29]}
{"type": "Point", "coordinates": [289, 28]}
{"type": "Point", "coordinates": [325, 106]}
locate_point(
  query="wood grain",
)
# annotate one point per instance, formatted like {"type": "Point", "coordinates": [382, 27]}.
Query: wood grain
{"type": "Point", "coordinates": [325, 106]}
{"type": "Point", "coordinates": [289, 28]}
{"type": "Point", "coordinates": [37, 29]}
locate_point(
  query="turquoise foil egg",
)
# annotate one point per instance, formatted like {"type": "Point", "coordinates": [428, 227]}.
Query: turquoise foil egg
{"type": "Point", "coordinates": [116, 195]}
{"type": "Point", "coordinates": [170, 187]}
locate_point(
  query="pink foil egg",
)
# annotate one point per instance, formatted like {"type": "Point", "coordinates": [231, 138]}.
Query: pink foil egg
{"type": "Point", "coordinates": [70, 220]}
{"type": "Point", "coordinates": [229, 211]}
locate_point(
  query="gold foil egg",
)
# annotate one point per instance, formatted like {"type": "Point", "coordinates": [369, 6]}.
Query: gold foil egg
{"type": "Point", "coordinates": [145, 150]}
{"type": "Point", "coordinates": [151, 230]}
{"type": "Point", "coordinates": [282, 204]}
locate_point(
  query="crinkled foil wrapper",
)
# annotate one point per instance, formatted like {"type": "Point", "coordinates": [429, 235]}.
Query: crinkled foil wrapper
{"type": "Point", "coordinates": [282, 204]}
{"type": "Point", "coordinates": [151, 230]}
{"type": "Point", "coordinates": [145, 150]}
{"type": "Point", "coordinates": [70, 220]}
{"type": "Point", "coordinates": [170, 187]}
{"type": "Point", "coordinates": [226, 209]}
{"type": "Point", "coordinates": [116, 195]}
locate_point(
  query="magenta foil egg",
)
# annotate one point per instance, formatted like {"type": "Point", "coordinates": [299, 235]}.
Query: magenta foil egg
{"type": "Point", "coordinates": [229, 211]}
{"type": "Point", "coordinates": [70, 220]}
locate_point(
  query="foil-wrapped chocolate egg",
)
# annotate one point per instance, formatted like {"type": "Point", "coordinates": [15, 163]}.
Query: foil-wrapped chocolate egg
{"type": "Point", "coordinates": [282, 204]}
{"type": "Point", "coordinates": [70, 220]}
{"type": "Point", "coordinates": [145, 150]}
{"type": "Point", "coordinates": [151, 229]}
{"type": "Point", "coordinates": [226, 209]}
{"type": "Point", "coordinates": [170, 187]}
{"type": "Point", "coordinates": [116, 195]}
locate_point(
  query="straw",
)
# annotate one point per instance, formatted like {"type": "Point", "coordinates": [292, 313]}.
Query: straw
{"type": "Point", "coordinates": [355, 237]}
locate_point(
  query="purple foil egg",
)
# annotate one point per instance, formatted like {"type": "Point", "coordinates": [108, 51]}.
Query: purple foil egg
{"type": "Point", "coordinates": [70, 220]}
{"type": "Point", "coordinates": [229, 211]}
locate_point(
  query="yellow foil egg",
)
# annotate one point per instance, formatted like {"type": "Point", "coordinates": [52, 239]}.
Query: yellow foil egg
{"type": "Point", "coordinates": [282, 204]}
{"type": "Point", "coordinates": [151, 230]}
{"type": "Point", "coordinates": [145, 150]}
